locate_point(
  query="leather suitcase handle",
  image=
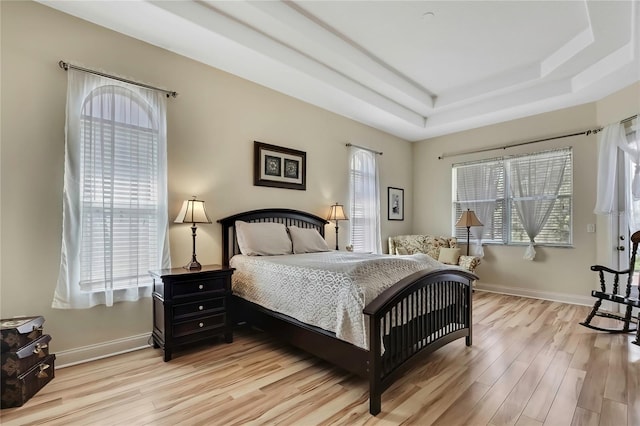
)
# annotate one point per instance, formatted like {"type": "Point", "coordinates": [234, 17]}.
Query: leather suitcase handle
{"type": "Point", "coordinates": [42, 374]}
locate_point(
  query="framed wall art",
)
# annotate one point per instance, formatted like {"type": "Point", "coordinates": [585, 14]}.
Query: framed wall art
{"type": "Point", "coordinates": [279, 167]}
{"type": "Point", "coordinates": [396, 203]}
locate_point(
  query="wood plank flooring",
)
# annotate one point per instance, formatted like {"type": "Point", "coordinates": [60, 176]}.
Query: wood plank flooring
{"type": "Point", "coordinates": [531, 364]}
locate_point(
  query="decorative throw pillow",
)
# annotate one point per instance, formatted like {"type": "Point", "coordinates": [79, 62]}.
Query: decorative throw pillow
{"type": "Point", "coordinates": [262, 239]}
{"type": "Point", "coordinates": [449, 256]}
{"type": "Point", "coordinates": [307, 240]}
{"type": "Point", "coordinates": [401, 251]}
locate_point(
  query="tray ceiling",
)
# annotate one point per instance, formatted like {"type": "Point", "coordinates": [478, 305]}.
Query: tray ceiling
{"type": "Point", "coordinates": [415, 69]}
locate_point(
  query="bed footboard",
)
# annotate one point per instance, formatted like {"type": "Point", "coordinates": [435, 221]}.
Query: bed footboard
{"type": "Point", "coordinates": [418, 315]}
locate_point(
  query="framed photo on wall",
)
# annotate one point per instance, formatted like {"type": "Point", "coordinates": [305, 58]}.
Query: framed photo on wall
{"type": "Point", "coordinates": [396, 203]}
{"type": "Point", "coordinates": [279, 167]}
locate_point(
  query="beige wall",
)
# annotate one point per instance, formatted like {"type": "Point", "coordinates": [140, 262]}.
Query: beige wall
{"type": "Point", "coordinates": [211, 128]}
{"type": "Point", "coordinates": [556, 273]}
{"type": "Point", "coordinates": [619, 105]}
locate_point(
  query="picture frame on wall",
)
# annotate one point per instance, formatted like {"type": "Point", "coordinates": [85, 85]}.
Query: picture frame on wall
{"type": "Point", "coordinates": [279, 167]}
{"type": "Point", "coordinates": [395, 199]}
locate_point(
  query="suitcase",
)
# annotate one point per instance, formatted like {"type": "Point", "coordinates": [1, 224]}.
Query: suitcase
{"type": "Point", "coordinates": [18, 389]}
{"type": "Point", "coordinates": [14, 363]}
{"type": "Point", "coordinates": [18, 332]}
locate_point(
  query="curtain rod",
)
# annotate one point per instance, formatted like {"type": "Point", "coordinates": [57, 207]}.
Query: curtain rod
{"type": "Point", "coordinates": [65, 66]}
{"type": "Point", "coordinates": [584, 132]}
{"type": "Point", "coordinates": [473, 151]}
{"type": "Point", "coordinates": [365, 148]}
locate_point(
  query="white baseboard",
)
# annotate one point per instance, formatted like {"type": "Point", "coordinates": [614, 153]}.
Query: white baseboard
{"type": "Point", "coordinates": [133, 343]}
{"type": "Point", "coordinates": [101, 350]}
{"type": "Point", "coordinates": [536, 294]}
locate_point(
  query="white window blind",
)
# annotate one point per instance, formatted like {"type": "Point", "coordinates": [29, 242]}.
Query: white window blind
{"type": "Point", "coordinates": [502, 224]}
{"type": "Point", "coordinates": [119, 191]}
{"type": "Point", "coordinates": [364, 206]}
{"type": "Point", "coordinates": [115, 206]}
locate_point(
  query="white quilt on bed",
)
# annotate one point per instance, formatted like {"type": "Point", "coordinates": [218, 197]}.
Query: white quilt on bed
{"type": "Point", "coordinates": [327, 290]}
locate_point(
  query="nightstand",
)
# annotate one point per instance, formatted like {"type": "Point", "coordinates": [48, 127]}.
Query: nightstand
{"type": "Point", "coordinates": [190, 306]}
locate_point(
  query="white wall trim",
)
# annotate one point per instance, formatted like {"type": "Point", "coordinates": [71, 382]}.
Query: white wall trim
{"type": "Point", "coordinates": [141, 341]}
{"type": "Point", "coordinates": [573, 299]}
{"type": "Point", "coordinates": [102, 350]}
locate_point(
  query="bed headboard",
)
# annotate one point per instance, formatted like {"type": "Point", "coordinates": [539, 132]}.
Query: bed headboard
{"type": "Point", "coordinates": [288, 217]}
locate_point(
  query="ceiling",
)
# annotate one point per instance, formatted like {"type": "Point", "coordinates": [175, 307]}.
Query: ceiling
{"type": "Point", "coordinates": [414, 69]}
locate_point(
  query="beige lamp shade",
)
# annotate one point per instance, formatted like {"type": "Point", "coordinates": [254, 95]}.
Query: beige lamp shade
{"type": "Point", "coordinates": [337, 213]}
{"type": "Point", "coordinates": [192, 211]}
{"type": "Point", "coordinates": [468, 218]}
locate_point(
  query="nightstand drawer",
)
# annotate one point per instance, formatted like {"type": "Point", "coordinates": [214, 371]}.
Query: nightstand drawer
{"type": "Point", "coordinates": [190, 306]}
{"type": "Point", "coordinates": [198, 325]}
{"type": "Point", "coordinates": [191, 288]}
{"type": "Point", "coordinates": [198, 308]}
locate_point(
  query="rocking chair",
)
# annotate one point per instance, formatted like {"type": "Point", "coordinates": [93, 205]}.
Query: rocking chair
{"type": "Point", "coordinates": [614, 295]}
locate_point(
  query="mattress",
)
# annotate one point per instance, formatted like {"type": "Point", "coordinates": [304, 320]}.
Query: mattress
{"type": "Point", "coordinates": [328, 289]}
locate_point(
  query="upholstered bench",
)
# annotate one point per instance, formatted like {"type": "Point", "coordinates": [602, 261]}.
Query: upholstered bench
{"type": "Point", "coordinates": [442, 249]}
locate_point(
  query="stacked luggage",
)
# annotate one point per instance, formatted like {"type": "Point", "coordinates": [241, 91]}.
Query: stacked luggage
{"type": "Point", "coordinates": [26, 363]}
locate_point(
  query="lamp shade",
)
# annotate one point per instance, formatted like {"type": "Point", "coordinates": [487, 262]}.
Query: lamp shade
{"type": "Point", "coordinates": [192, 211]}
{"type": "Point", "coordinates": [468, 218]}
{"type": "Point", "coordinates": [337, 213]}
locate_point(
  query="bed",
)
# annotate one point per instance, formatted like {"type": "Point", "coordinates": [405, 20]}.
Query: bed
{"type": "Point", "coordinates": [412, 317]}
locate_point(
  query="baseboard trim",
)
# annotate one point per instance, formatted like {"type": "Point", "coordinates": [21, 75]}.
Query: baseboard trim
{"type": "Point", "coordinates": [536, 294]}
{"type": "Point", "coordinates": [102, 350]}
{"type": "Point", "coordinates": [133, 343]}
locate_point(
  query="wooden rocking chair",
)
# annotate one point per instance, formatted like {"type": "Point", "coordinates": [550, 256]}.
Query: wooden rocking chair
{"type": "Point", "coordinates": [613, 294]}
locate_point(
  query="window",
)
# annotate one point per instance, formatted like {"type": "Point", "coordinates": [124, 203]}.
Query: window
{"type": "Point", "coordinates": [364, 206]}
{"type": "Point", "coordinates": [115, 218]}
{"type": "Point", "coordinates": [517, 197]}
{"type": "Point", "coordinates": [119, 167]}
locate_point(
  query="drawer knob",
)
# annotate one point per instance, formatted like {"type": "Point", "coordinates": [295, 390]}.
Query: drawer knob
{"type": "Point", "coordinates": [200, 307]}
{"type": "Point", "coordinates": [200, 286]}
{"type": "Point", "coordinates": [201, 325]}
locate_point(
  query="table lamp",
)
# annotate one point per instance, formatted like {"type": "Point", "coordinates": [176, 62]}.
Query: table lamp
{"type": "Point", "coordinates": [193, 212]}
{"type": "Point", "coordinates": [335, 214]}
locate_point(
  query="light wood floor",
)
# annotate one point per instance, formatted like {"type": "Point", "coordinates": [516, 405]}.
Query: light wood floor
{"type": "Point", "coordinates": [531, 364]}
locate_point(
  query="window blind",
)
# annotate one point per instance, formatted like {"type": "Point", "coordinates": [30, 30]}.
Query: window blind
{"type": "Point", "coordinates": [503, 225]}
{"type": "Point", "coordinates": [120, 167]}
{"type": "Point", "coordinates": [364, 206]}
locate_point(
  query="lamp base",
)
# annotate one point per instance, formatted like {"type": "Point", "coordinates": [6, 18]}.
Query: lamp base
{"type": "Point", "coordinates": [194, 265]}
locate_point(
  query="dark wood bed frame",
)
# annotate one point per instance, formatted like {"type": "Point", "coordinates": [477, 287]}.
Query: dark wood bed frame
{"type": "Point", "coordinates": [418, 314]}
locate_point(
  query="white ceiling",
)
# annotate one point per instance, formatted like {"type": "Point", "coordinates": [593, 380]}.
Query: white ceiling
{"type": "Point", "coordinates": [415, 69]}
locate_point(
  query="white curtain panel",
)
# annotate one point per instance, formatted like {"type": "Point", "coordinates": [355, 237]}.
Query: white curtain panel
{"type": "Point", "coordinates": [104, 214]}
{"type": "Point", "coordinates": [631, 148]}
{"type": "Point", "coordinates": [478, 182]}
{"type": "Point", "coordinates": [364, 203]}
{"type": "Point", "coordinates": [609, 139]}
{"type": "Point", "coordinates": [535, 183]}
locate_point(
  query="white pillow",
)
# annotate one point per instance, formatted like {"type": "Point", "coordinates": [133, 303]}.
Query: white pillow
{"type": "Point", "coordinates": [307, 240]}
{"type": "Point", "coordinates": [262, 239]}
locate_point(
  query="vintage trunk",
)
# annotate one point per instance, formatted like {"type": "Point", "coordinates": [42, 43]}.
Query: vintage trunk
{"type": "Point", "coordinates": [18, 389]}
{"type": "Point", "coordinates": [18, 332]}
{"type": "Point", "coordinates": [14, 363]}
{"type": "Point", "coordinates": [26, 363]}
